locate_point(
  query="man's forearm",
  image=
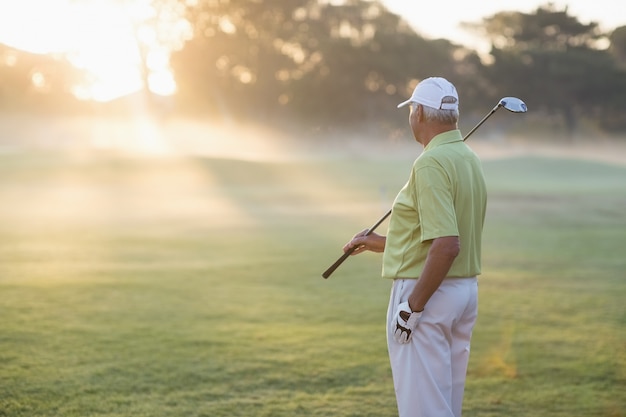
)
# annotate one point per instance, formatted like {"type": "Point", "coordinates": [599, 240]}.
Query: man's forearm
{"type": "Point", "coordinates": [441, 255]}
{"type": "Point", "coordinates": [376, 243]}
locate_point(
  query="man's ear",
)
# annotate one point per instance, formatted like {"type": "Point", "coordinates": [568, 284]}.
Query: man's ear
{"type": "Point", "coordinates": [420, 113]}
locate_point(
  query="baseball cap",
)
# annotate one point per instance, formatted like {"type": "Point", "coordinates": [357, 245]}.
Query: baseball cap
{"type": "Point", "coordinates": [435, 92]}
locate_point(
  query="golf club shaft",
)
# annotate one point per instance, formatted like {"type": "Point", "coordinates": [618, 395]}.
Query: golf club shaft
{"type": "Point", "coordinates": [346, 254]}
{"type": "Point", "coordinates": [343, 257]}
{"type": "Point", "coordinates": [482, 121]}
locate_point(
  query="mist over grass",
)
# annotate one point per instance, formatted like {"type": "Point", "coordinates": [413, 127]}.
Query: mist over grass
{"type": "Point", "coordinates": [139, 133]}
{"type": "Point", "coordinates": [189, 283]}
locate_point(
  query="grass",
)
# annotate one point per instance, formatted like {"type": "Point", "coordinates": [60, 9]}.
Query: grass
{"type": "Point", "coordinates": [158, 287]}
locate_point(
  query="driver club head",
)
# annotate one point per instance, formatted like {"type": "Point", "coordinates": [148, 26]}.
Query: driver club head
{"type": "Point", "coordinates": [513, 104]}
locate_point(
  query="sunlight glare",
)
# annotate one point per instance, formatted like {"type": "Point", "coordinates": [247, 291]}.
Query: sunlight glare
{"type": "Point", "coordinates": [108, 40]}
{"type": "Point", "coordinates": [107, 51]}
{"type": "Point", "coordinates": [31, 25]}
{"type": "Point", "coordinates": [162, 83]}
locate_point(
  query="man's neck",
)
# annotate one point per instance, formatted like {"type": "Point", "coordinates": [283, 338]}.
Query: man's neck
{"type": "Point", "coordinates": [434, 130]}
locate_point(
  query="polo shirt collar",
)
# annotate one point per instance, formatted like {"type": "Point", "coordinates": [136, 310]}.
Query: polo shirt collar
{"type": "Point", "coordinates": [444, 138]}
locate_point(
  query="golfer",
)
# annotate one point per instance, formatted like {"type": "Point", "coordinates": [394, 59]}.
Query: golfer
{"type": "Point", "coordinates": [432, 253]}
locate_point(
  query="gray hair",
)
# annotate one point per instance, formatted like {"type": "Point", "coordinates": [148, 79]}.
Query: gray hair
{"type": "Point", "coordinates": [438, 115]}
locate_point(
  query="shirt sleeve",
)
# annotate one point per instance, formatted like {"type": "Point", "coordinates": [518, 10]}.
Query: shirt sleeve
{"type": "Point", "coordinates": [435, 203]}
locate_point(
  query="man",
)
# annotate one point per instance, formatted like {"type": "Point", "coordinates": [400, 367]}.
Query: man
{"type": "Point", "coordinates": [432, 253]}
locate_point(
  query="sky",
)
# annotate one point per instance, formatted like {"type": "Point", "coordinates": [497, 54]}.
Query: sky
{"type": "Point", "coordinates": [440, 19]}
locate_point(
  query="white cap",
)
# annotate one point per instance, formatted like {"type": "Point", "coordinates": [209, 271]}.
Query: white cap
{"type": "Point", "coordinates": [435, 92]}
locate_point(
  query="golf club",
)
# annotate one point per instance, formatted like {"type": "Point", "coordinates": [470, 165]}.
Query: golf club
{"type": "Point", "coordinates": [512, 104]}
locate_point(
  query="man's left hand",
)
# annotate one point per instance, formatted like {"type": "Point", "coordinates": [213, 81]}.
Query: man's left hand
{"type": "Point", "coordinates": [406, 323]}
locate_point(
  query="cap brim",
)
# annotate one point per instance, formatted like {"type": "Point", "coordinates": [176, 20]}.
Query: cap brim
{"type": "Point", "coordinates": [404, 103]}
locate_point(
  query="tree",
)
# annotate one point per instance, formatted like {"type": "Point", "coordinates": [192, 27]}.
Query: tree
{"type": "Point", "coordinates": [35, 81]}
{"type": "Point", "coordinates": [314, 60]}
{"type": "Point", "coordinates": [618, 45]}
{"type": "Point", "coordinates": [554, 61]}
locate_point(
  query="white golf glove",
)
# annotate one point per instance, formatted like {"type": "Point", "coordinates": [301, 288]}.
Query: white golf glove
{"type": "Point", "coordinates": [406, 323]}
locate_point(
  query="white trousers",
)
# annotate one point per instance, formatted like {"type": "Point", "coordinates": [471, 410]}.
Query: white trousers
{"type": "Point", "coordinates": [429, 371]}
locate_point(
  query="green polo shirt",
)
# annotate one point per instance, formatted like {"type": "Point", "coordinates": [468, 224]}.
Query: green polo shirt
{"type": "Point", "coordinates": [444, 196]}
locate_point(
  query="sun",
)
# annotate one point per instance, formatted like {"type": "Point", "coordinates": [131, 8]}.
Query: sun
{"type": "Point", "coordinates": [113, 42]}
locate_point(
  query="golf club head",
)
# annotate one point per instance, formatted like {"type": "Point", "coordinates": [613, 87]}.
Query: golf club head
{"type": "Point", "coordinates": [513, 104]}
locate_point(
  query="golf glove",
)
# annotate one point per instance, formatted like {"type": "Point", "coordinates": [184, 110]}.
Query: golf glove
{"type": "Point", "coordinates": [406, 323]}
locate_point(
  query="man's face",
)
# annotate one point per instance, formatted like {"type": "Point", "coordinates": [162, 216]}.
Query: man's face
{"type": "Point", "coordinates": [414, 115]}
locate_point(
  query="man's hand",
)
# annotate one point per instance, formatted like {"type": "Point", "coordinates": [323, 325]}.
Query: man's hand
{"type": "Point", "coordinates": [362, 242]}
{"type": "Point", "coordinates": [406, 323]}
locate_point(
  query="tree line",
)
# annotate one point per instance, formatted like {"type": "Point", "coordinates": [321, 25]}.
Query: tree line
{"type": "Point", "coordinates": [309, 63]}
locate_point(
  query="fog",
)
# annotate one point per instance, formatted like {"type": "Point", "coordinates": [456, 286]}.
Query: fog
{"type": "Point", "coordinates": [172, 137]}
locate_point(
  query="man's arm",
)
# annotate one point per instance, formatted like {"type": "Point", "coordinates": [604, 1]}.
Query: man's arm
{"type": "Point", "coordinates": [373, 242]}
{"type": "Point", "coordinates": [441, 254]}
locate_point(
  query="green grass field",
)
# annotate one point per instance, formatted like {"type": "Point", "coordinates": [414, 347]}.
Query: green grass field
{"type": "Point", "coordinates": [191, 287]}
